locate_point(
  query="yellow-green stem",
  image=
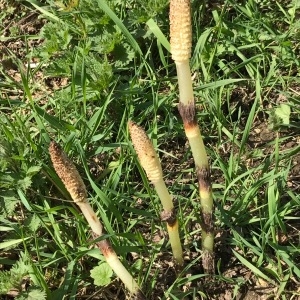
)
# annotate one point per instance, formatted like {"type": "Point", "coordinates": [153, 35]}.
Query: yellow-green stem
{"type": "Point", "coordinates": [175, 242]}
{"type": "Point", "coordinates": [184, 82]}
{"type": "Point", "coordinates": [192, 130]}
{"type": "Point", "coordinates": [172, 222]}
{"type": "Point", "coordinates": [197, 146]}
{"type": "Point", "coordinates": [114, 262]}
{"type": "Point", "coordinates": [116, 265]}
{"type": "Point", "coordinates": [163, 194]}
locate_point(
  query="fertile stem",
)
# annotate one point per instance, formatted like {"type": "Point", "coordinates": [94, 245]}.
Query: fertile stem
{"type": "Point", "coordinates": [70, 177]}
{"type": "Point", "coordinates": [151, 164]}
{"type": "Point", "coordinates": [181, 36]}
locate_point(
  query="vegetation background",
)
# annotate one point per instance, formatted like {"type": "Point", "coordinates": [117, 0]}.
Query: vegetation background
{"type": "Point", "coordinates": [76, 72]}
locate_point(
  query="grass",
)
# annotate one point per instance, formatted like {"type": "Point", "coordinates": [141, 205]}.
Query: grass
{"type": "Point", "coordinates": [98, 65]}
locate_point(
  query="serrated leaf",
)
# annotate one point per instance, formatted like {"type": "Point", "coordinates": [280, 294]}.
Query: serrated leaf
{"type": "Point", "coordinates": [33, 223]}
{"type": "Point", "coordinates": [20, 268]}
{"type": "Point", "coordinates": [283, 112]}
{"type": "Point", "coordinates": [36, 295]}
{"type": "Point", "coordinates": [5, 282]}
{"type": "Point", "coordinates": [102, 274]}
{"type": "Point", "coordinates": [8, 201]}
{"type": "Point", "coordinates": [24, 183]}
{"type": "Point", "coordinates": [33, 170]}
{"type": "Point", "coordinates": [33, 294]}
{"type": "Point", "coordinates": [123, 55]}
{"type": "Point", "coordinates": [99, 72]}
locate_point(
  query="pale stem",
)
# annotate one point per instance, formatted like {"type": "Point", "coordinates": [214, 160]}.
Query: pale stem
{"type": "Point", "coordinates": [207, 202]}
{"type": "Point", "coordinates": [184, 82]}
{"type": "Point", "coordinates": [114, 262]}
{"type": "Point", "coordinates": [175, 243]}
{"type": "Point", "coordinates": [197, 146]}
{"type": "Point", "coordinates": [207, 241]}
{"type": "Point", "coordinates": [163, 195]}
{"type": "Point", "coordinates": [91, 217]}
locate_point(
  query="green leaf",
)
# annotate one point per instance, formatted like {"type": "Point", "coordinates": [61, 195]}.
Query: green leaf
{"type": "Point", "coordinates": [153, 27]}
{"type": "Point", "coordinates": [123, 54]}
{"type": "Point", "coordinates": [8, 202]}
{"type": "Point", "coordinates": [219, 83]}
{"type": "Point", "coordinates": [5, 282]}
{"type": "Point", "coordinates": [103, 5]}
{"type": "Point", "coordinates": [44, 11]}
{"type": "Point", "coordinates": [33, 223]}
{"type": "Point", "coordinates": [10, 243]}
{"type": "Point", "coordinates": [54, 121]}
{"type": "Point", "coordinates": [20, 268]}
{"type": "Point", "coordinates": [33, 170]}
{"type": "Point", "coordinates": [283, 112]}
{"type": "Point", "coordinates": [34, 294]}
{"type": "Point", "coordinates": [24, 183]}
{"type": "Point", "coordinates": [102, 274]}
{"type": "Point", "coordinates": [255, 270]}
{"type": "Point", "coordinates": [5, 228]}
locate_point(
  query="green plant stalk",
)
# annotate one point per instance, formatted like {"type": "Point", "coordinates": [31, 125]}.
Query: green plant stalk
{"type": "Point", "coordinates": [151, 164]}
{"type": "Point", "coordinates": [184, 82]}
{"type": "Point", "coordinates": [119, 269]}
{"type": "Point", "coordinates": [181, 36]}
{"type": "Point", "coordinates": [173, 231]}
{"type": "Point", "coordinates": [73, 182]}
{"type": "Point", "coordinates": [91, 217]}
{"type": "Point", "coordinates": [169, 216]}
{"type": "Point", "coordinates": [192, 131]}
{"type": "Point", "coordinates": [163, 194]}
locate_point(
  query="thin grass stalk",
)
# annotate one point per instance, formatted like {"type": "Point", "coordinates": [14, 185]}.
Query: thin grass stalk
{"type": "Point", "coordinates": [181, 42]}
{"type": "Point", "coordinates": [151, 164]}
{"type": "Point", "coordinates": [73, 182]}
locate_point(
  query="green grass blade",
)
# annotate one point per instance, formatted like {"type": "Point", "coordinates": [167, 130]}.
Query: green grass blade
{"type": "Point", "coordinates": [219, 83]}
{"type": "Point", "coordinates": [248, 126]}
{"type": "Point", "coordinates": [11, 243]}
{"type": "Point", "coordinates": [251, 267]}
{"type": "Point", "coordinates": [103, 5]}
{"type": "Point", "coordinates": [53, 120]}
{"type": "Point", "coordinates": [153, 27]}
{"type": "Point", "coordinates": [44, 11]}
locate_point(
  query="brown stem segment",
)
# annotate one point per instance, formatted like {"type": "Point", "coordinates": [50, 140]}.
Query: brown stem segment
{"type": "Point", "coordinates": [187, 112]}
{"type": "Point", "coordinates": [169, 217]}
